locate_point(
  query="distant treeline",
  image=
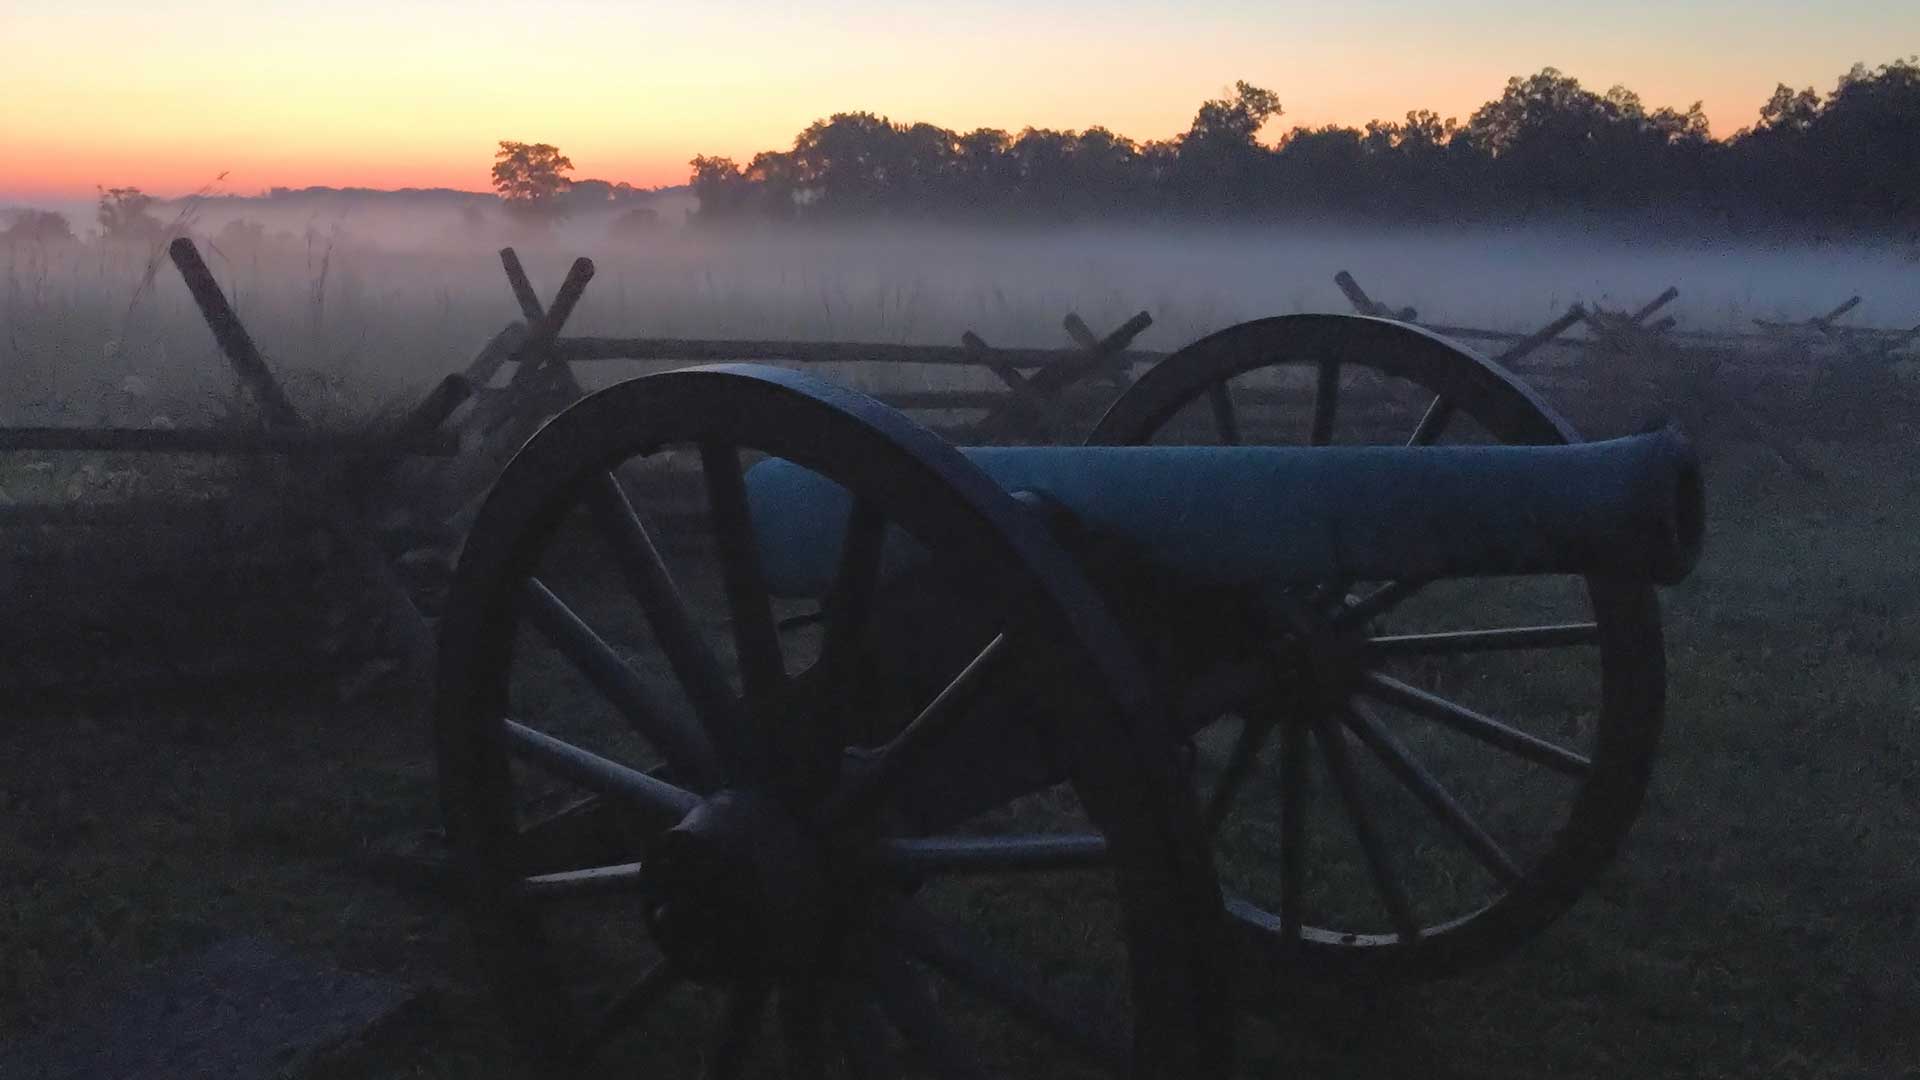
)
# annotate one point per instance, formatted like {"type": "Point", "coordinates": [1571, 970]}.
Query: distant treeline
{"type": "Point", "coordinates": [127, 215]}
{"type": "Point", "coordinates": [1546, 145]}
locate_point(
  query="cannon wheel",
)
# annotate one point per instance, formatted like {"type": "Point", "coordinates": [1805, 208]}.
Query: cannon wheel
{"type": "Point", "coordinates": [1368, 700]}
{"type": "Point", "coordinates": [705, 828]}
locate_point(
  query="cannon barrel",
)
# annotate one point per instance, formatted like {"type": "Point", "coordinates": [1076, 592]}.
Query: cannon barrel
{"type": "Point", "coordinates": [1229, 515]}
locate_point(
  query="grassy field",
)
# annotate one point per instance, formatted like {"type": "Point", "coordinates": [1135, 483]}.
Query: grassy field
{"type": "Point", "coordinates": [1762, 921]}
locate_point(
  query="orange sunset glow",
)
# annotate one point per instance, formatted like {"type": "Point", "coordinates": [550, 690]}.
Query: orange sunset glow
{"type": "Point", "coordinates": [167, 96]}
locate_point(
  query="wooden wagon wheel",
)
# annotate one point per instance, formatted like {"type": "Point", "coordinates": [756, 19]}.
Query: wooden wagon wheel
{"type": "Point", "coordinates": [663, 806]}
{"type": "Point", "coordinates": [1433, 773]}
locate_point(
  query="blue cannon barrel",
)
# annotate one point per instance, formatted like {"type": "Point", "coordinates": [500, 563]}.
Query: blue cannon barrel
{"type": "Point", "coordinates": [1229, 515]}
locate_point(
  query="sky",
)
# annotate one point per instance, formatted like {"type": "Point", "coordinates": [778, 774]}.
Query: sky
{"type": "Point", "coordinates": [166, 96]}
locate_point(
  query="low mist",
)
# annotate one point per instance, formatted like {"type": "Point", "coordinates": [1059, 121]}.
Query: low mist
{"type": "Point", "coordinates": [368, 300]}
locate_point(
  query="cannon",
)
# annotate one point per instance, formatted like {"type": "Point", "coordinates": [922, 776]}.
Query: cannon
{"type": "Point", "coordinates": [764, 712]}
{"type": "Point", "coordinates": [1261, 516]}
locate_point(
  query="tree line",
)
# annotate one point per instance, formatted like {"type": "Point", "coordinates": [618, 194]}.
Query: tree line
{"type": "Point", "coordinates": [528, 179]}
{"type": "Point", "coordinates": [1546, 144]}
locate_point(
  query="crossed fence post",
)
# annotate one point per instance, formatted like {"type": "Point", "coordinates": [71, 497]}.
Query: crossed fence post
{"type": "Point", "coordinates": [1441, 409]}
{"type": "Point", "coordinates": [1824, 323]}
{"type": "Point", "coordinates": [346, 517]}
{"type": "Point", "coordinates": [1034, 409]}
{"type": "Point", "coordinates": [1859, 348]}
{"type": "Point", "coordinates": [1367, 305]}
{"type": "Point", "coordinates": [1625, 335]}
{"type": "Point", "coordinates": [541, 384]}
{"type": "Point", "coordinates": [1616, 333]}
{"type": "Point", "coordinates": [1516, 350]}
{"type": "Point", "coordinates": [1622, 333]}
{"type": "Point", "coordinates": [489, 435]}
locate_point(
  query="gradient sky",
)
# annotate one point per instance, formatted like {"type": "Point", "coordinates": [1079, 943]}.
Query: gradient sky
{"type": "Point", "coordinates": [166, 95]}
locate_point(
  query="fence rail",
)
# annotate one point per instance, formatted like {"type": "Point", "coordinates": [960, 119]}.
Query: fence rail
{"type": "Point", "coordinates": [398, 499]}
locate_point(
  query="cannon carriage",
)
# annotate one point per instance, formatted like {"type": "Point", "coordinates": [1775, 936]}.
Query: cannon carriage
{"type": "Point", "coordinates": [766, 715]}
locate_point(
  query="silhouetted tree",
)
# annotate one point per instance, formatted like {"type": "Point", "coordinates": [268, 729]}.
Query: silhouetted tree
{"type": "Point", "coordinates": [1220, 153]}
{"type": "Point", "coordinates": [1539, 136]}
{"type": "Point", "coordinates": [1863, 148]}
{"type": "Point", "coordinates": [1235, 121]}
{"type": "Point", "coordinates": [1547, 143]}
{"type": "Point", "coordinates": [1853, 155]}
{"type": "Point", "coordinates": [240, 239]}
{"type": "Point", "coordinates": [1043, 162]}
{"type": "Point", "coordinates": [923, 166]}
{"type": "Point", "coordinates": [41, 228]}
{"type": "Point", "coordinates": [848, 161]}
{"type": "Point", "coordinates": [637, 223]}
{"type": "Point", "coordinates": [775, 183]}
{"type": "Point", "coordinates": [1105, 173]}
{"type": "Point", "coordinates": [123, 217]}
{"type": "Point", "coordinates": [589, 192]}
{"type": "Point", "coordinates": [1552, 143]}
{"type": "Point", "coordinates": [529, 178]}
{"type": "Point", "coordinates": [1323, 168]}
{"type": "Point", "coordinates": [723, 192]}
{"type": "Point", "coordinates": [985, 172]}
{"type": "Point", "coordinates": [1423, 167]}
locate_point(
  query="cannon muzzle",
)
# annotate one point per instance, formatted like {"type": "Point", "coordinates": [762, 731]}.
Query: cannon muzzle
{"type": "Point", "coordinates": [1629, 508]}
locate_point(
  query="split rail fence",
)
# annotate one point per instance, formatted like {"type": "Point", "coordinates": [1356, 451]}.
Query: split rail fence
{"type": "Point", "coordinates": [395, 502]}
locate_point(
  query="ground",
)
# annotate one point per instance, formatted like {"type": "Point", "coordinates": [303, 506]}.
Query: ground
{"type": "Point", "coordinates": [1761, 921]}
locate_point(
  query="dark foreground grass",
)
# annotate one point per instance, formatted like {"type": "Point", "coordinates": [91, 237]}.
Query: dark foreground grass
{"type": "Point", "coordinates": [1762, 921]}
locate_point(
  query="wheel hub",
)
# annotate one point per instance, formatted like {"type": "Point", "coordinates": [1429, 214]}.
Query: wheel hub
{"type": "Point", "coordinates": [737, 889]}
{"type": "Point", "coordinates": [1323, 658]}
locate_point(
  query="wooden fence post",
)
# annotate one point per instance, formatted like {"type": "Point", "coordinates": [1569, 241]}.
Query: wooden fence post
{"type": "Point", "coordinates": [1366, 305]}
{"type": "Point", "coordinates": [231, 334]}
{"type": "Point", "coordinates": [541, 384]}
{"type": "Point", "coordinates": [1441, 409]}
{"type": "Point", "coordinates": [343, 511]}
{"type": "Point", "coordinates": [1039, 392]}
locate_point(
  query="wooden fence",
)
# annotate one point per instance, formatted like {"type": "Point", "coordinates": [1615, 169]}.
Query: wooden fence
{"type": "Point", "coordinates": [396, 500]}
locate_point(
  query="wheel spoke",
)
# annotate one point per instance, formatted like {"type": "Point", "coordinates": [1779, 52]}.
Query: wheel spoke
{"type": "Point", "coordinates": [983, 970]}
{"type": "Point", "coordinates": [875, 775]}
{"type": "Point", "coordinates": [1293, 828]}
{"type": "Point", "coordinates": [992, 854]}
{"type": "Point", "coordinates": [687, 649]}
{"type": "Point", "coordinates": [909, 1003]}
{"type": "Point", "coordinates": [1454, 642]}
{"type": "Point", "coordinates": [624, 1011]}
{"type": "Point", "coordinates": [663, 802]}
{"type": "Point", "coordinates": [1484, 728]}
{"type": "Point", "coordinates": [570, 835]}
{"type": "Point", "coordinates": [1378, 602]}
{"type": "Point", "coordinates": [804, 619]}
{"type": "Point", "coordinates": [1437, 799]}
{"type": "Point", "coordinates": [614, 678]}
{"type": "Point", "coordinates": [592, 881]}
{"type": "Point", "coordinates": [1433, 422]}
{"type": "Point", "coordinates": [739, 1026]}
{"type": "Point", "coordinates": [1225, 420]}
{"type": "Point", "coordinates": [1326, 398]}
{"type": "Point", "coordinates": [1240, 763]}
{"type": "Point", "coordinates": [761, 668]}
{"type": "Point", "coordinates": [1333, 748]}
